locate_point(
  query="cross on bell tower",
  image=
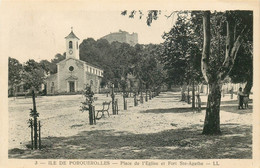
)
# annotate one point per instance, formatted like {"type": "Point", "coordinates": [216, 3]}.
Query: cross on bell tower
{"type": "Point", "coordinates": [72, 47]}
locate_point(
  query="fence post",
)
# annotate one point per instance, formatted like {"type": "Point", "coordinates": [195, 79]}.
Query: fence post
{"type": "Point", "coordinates": [90, 115]}
{"type": "Point", "coordinates": [31, 125]}
{"type": "Point", "coordinates": [40, 141]}
{"type": "Point", "coordinates": [146, 96]}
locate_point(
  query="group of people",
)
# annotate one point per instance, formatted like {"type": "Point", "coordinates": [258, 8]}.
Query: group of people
{"type": "Point", "coordinates": [242, 99]}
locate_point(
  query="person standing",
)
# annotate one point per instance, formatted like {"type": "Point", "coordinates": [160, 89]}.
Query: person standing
{"type": "Point", "coordinates": [240, 98]}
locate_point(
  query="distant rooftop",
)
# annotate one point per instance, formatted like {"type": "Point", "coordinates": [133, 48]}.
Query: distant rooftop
{"type": "Point", "coordinates": [121, 31]}
{"type": "Point", "coordinates": [122, 36]}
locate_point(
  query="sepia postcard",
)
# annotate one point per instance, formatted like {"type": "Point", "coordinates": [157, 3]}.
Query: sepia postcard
{"type": "Point", "coordinates": [129, 83]}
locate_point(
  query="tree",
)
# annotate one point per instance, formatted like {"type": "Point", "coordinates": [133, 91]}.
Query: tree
{"type": "Point", "coordinates": [33, 75]}
{"type": "Point", "coordinates": [181, 55]}
{"type": "Point", "coordinates": [52, 67]}
{"type": "Point", "coordinates": [14, 72]}
{"type": "Point", "coordinates": [58, 57]}
{"type": "Point", "coordinates": [87, 105]}
{"type": "Point", "coordinates": [242, 71]}
{"type": "Point", "coordinates": [213, 76]}
{"type": "Point", "coordinates": [47, 66]}
{"type": "Point", "coordinates": [152, 71]}
{"type": "Point", "coordinates": [243, 65]}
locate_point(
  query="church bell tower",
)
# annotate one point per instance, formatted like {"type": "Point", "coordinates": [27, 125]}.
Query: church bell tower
{"type": "Point", "coordinates": [72, 46]}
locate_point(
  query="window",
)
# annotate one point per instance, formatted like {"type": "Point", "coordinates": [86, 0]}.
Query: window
{"type": "Point", "coordinates": [96, 71]}
{"type": "Point", "coordinates": [52, 84]}
{"type": "Point", "coordinates": [71, 68]}
{"type": "Point", "coordinates": [70, 44]}
{"type": "Point", "coordinates": [90, 70]}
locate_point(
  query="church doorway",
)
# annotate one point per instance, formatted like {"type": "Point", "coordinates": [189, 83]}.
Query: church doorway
{"type": "Point", "coordinates": [72, 86]}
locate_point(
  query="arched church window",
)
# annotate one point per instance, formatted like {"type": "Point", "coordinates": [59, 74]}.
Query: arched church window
{"type": "Point", "coordinates": [70, 44]}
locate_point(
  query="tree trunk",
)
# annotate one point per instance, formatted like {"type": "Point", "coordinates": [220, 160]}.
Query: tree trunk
{"type": "Point", "coordinates": [146, 95]}
{"type": "Point", "coordinates": [124, 96]}
{"type": "Point", "coordinates": [249, 85]}
{"type": "Point", "coordinates": [183, 88]}
{"type": "Point", "coordinates": [135, 101]}
{"type": "Point", "coordinates": [188, 96]}
{"type": "Point", "coordinates": [193, 95]}
{"type": "Point", "coordinates": [34, 120]}
{"type": "Point", "coordinates": [215, 77]}
{"type": "Point", "coordinates": [90, 114]}
{"type": "Point", "coordinates": [212, 119]}
{"type": "Point", "coordinates": [113, 100]}
{"type": "Point", "coordinates": [231, 92]}
{"type": "Point", "coordinates": [141, 97]}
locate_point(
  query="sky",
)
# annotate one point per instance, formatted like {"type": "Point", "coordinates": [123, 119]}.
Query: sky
{"type": "Point", "coordinates": [37, 31]}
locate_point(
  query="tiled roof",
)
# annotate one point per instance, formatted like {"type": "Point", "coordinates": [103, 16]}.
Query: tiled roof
{"type": "Point", "coordinates": [72, 35]}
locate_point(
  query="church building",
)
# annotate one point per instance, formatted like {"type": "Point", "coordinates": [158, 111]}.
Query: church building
{"type": "Point", "coordinates": [73, 74]}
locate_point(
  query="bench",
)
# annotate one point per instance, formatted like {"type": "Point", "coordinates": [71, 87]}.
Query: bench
{"type": "Point", "coordinates": [105, 108]}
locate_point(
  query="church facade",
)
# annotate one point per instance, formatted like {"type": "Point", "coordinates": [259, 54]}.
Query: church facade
{"type": "Point", "coordinates": [73, 74]}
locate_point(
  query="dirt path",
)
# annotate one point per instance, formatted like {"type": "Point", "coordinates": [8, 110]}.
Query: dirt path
{"type": "Point", "coordinates": [163, 128]}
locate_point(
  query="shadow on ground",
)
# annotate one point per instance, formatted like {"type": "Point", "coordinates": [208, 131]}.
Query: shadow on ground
{"type": "Point", "coordinates": [227, 107]}
{"type": "Point", "coordinates": [172, 110]}
{"type": "Point", "coordinates": [235, 142]}
{"type": "Point", "coordinates": [234, 101]}
{"type": "Point", "coordinates": [234, 109]}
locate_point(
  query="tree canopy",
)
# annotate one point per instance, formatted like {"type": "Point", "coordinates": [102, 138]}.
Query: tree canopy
{"type": "Point", "coordinates": [181, 55]}
{"type": "Point", "coordinates": [120, 60]}
{"type": "Point", "coordinates": [14, 71]}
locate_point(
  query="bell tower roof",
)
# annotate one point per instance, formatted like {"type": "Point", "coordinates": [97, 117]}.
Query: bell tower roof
{"type": "Point", "coordinates": [71, 35]}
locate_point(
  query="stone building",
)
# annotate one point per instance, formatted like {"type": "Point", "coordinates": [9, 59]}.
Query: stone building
{"type": "Point", "coordinates": [73, 74]}
{"type": "Point", "coordinates": [123, 37]}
